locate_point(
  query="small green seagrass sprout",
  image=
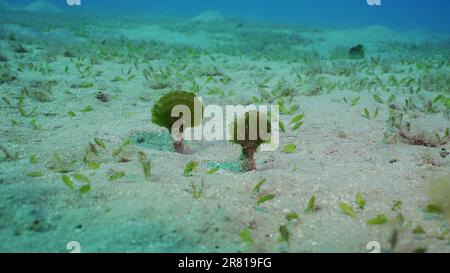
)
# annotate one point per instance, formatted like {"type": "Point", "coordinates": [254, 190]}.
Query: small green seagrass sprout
{"type": "Point", "coordinates": [439, 194]}
{"type": "Point", "coordinates": [251, 137]}
{"type": "Point", "coordinates": [162, 113]}
{"type": "Point", "coordinates": [356, 52]}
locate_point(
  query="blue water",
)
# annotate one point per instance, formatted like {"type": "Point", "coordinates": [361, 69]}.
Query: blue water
{"type": "Point", "coordinates": [430, 15]}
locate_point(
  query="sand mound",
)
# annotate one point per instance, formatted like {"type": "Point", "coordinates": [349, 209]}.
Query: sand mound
{"type": "Point", "coordinates": [210, 16]}
{"type": "Point", "coordinates": [377, 30]}
{"type": "Point", "coordinates": [42, 6]}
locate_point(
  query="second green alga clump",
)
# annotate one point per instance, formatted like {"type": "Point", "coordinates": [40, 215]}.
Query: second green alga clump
{"type": "Point", "coordinates": [253, 137]}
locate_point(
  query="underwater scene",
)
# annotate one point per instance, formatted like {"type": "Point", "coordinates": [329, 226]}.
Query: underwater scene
{"type": "Point", "coordinates": [225, 126]}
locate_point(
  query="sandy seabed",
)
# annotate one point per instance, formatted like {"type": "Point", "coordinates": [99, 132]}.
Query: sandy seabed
{"type": "Point", "coordinates": [68, 80]}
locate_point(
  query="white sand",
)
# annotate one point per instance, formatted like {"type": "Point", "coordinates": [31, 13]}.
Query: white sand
{"type": "Point", "coordinates": [339, 154]}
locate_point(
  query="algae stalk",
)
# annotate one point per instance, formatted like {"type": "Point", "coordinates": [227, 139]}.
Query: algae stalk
{"type": "Point", "coordinates": [247, 160]}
